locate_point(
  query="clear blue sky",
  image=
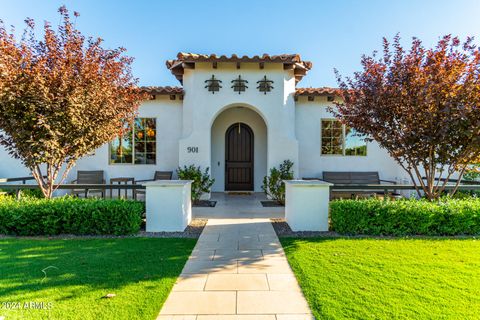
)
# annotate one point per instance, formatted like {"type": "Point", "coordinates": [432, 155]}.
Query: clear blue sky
{"type": "Point", "coordinates": [331, 34]}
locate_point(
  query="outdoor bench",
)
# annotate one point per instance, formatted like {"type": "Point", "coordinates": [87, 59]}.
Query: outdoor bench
{"type": "Point", "coordinates": [355, 178]}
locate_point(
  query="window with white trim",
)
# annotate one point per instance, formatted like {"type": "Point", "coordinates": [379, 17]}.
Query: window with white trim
{"type": "Point", "coordinates": [338, 139]}
{"type": "Point", "coordinates": [137, 145]}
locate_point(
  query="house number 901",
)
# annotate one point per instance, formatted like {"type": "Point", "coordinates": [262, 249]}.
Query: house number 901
{"type": "Point", "coordinates": [192, 149]}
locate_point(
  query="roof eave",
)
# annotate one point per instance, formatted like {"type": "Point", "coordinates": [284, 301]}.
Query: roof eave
{"type": "Point", "coordinates": [300, 68]}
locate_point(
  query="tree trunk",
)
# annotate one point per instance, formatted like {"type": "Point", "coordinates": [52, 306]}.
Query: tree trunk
{"type": "Point", "coordinates": [47, 182]}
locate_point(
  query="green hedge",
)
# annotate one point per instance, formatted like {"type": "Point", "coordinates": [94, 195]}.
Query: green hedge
{"type": "Point", "coordinates": [68, 215]}
{"type": "Point", "coordinates": [406, 217]}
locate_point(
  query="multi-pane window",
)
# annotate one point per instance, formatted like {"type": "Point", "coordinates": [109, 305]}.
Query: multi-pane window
{"type": "Point", "coordinates": [137, 145]}
{"type": "Point", "coordinates": [338, 139]}
{"type": "Point", "coordinates": [332, 137]}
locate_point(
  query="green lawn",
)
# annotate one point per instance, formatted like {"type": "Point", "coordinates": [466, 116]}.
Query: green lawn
{"type": "Point", "coordinates": [388, 279]}
{"type": "Point", "coordinates": [78, 273]}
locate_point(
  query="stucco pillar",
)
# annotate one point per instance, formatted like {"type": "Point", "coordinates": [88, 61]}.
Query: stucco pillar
{"type": "Point", "coordinates": [168, 205]}
{"type": "Point", "coordinates": [307, 204]}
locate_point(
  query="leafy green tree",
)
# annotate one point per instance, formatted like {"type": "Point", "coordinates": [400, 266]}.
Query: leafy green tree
{"type": "Point", "coordinates": [61, 97]}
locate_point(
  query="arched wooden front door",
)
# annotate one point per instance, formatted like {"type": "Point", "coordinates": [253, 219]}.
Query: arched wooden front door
{"type": "Point", "coordinates": [239, 158]}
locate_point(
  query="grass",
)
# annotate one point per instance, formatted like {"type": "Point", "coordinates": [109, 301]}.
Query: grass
{"type": "Point", "coordinates": [388, 278]}
{"type": "Point", "coordinates": [78, 273]}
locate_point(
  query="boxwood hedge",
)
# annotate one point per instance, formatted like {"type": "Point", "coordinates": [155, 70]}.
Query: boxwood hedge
{"type": "Point", "coordinates": [68, 215]}
{"type": "Point", "coordinates": [406, 217]}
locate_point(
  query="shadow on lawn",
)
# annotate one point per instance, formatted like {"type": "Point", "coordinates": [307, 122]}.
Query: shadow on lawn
{"type": "Point", "coordinates": [28, 266]}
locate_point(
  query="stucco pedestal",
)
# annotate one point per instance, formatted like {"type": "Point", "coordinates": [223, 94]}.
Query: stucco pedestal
{"type": "Point", "coordinates": [307, 204]}
{"type": "Point", "coordinates": [168, 205]}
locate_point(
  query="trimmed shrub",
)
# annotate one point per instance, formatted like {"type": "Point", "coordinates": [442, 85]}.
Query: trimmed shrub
{"type": "Point", "coordinates": [406, 217]}
{"type": "Point", "coordinates": [465, 194]}
{"type": "Point", "coordinates": [29, 193]}
{"type": "Point", "coordinates": [273, 185]}
{"type": "Point", "coordinates": [68, 215]}
{"type": "Point", "coordinates": [202, 183]}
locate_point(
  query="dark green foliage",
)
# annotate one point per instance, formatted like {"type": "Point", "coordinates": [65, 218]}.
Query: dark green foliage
{"type": "Point", "coordinates": [273, 185]}
{"type": "Point", "coordinates": [406, 217]}
{"type": "Point", "coordinates": [67, 215]}
{"type": "Point", "coordinates": [202, 183]}
{"type": "Point", "coordinates": [465, 194]}
{"type": "Point", "coordinates": [24, 193]}
{"type": "Point", "coordinates": [32, 193]}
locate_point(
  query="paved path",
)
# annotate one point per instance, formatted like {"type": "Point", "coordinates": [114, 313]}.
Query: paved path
{"type": "Point", "coordinates": [238, 206]}
{"type": "Point", "coordinates": [237, 271]}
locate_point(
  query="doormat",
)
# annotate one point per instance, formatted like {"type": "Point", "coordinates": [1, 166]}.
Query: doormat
{"type": "Point", "coordinates": [239, 193]}
{"type": "Point", "coordinates": [204, 204]}
{"type": "Point", "coordinates": [270, 204]}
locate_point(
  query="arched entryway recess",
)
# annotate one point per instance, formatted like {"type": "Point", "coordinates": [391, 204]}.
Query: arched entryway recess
{"type": "Point", "coordinates": [238, 150]}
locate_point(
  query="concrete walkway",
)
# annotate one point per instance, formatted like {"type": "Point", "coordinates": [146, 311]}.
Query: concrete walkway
{"type": "Point", "coordinates": [237, 271]}
{"type": "Point", "coordinates": [238, 206]}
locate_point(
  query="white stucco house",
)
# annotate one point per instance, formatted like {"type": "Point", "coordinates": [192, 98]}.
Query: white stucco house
{"type": "Point", "coordinates": [239, 116]}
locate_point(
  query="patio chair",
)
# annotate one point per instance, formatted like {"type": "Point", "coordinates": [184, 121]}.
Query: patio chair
{"type": "Point", "coordinates": [159, 175]}
{"type": "Point", "coordinates": [89, 177]}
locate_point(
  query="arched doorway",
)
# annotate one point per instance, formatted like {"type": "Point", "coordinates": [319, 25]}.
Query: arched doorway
{"type": "Point", "coordinates": [230, 117]}
{"type": "Point", "coordinates": [239, 154]}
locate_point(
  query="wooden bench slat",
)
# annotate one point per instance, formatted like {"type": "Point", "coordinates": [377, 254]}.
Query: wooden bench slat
{"type": "Point", "coordinates": [352, 178]}
{"type": "Point", "coordinates": [90, 177]}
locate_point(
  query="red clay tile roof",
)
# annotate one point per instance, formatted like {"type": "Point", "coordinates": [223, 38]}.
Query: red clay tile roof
{"type": "Point", "coordinates": [289, 61]}
{"type": "Point", "coordinates": [323, 91]}
{"type": "Point", "coordinates": [162, 90]}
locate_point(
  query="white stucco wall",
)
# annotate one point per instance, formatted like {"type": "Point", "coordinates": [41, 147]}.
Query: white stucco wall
{"type": "Point", "coordinates": [219, 128]}
{"type": "Point", "coordinates": [169, 117]}
{"type": "Point", "coordinates": [10, 167]}
{"type": "Point", "coordinates": [283, 129]}
{"type": "Point", "coordinates": [201, 108]}
{"type": "Point", "coordinates": [312, 163]}
{"type": "Point", "coordinates": [168, 114]}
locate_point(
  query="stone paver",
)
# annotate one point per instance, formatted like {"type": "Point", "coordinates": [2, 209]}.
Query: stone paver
{"type": "Point", "coordinates": [236, 317]}
{"type": "Point", "coordinates": [283, 282]}
{"type": "Point", "coordinates": [227, 254]}
{"type": "Point", "coordinates": [200, 302]}
{"type": "Point", "coordinates": [238, 206]}
{"type": "Point", "coordinates": [206, 266]}
{"type": "Point", "coordinates": [265, 302]}
{"type": "Point", "coordinates": [237, 271]}
{"type": "Point", "coordinates": [264, 266]}
{"type": "Point", "coordinates": [177, 317]}
{"type": "Point", "coordinates": [237, 282]}
{"type": "Point", "coordinates": [190, 282]}
{"type": "Point", "coordinates": [306, 316]}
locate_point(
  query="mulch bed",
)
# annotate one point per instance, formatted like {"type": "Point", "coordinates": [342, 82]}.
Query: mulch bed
{"type": "Point", "coordinates": [204, 204]}
{"type": "Point", "coordinates": [271, 204]}
{"type": "Point", "coordinates": [282, 229]}
{"type": "Point", "coordinates": [193, 230]}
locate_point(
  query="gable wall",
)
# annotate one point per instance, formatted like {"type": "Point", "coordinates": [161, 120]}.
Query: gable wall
{"type": "Point", "coordinates": [201, 108]}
